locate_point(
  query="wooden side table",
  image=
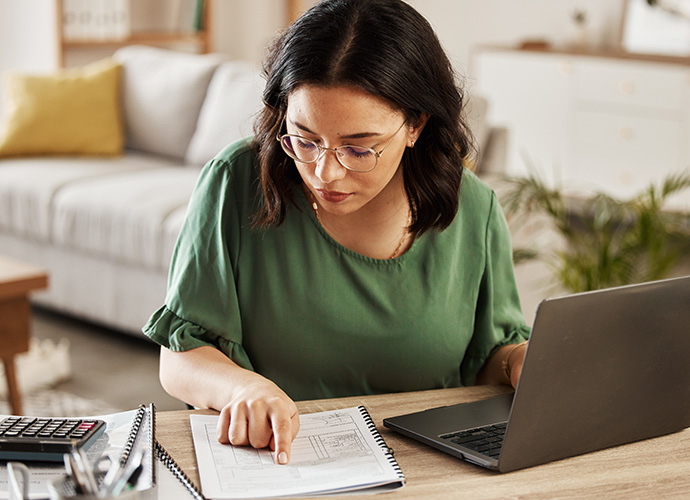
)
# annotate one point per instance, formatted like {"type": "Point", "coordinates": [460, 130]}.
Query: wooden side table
{"type": "Point", "coordinates": [17, 279]}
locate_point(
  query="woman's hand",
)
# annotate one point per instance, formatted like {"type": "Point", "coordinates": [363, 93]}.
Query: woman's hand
{"type": "Point", "coordinates": [514, 360]}
{"type": "Point", "coordinates": [253, 410]}
{"type": "Point", "coordinates": [504, 366]}
{"type": "Point", "coordinates": [259, 415]}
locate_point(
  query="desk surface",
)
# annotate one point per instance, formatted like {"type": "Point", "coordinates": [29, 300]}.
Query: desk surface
{"type": "Point", "coordinates": [657, 467]}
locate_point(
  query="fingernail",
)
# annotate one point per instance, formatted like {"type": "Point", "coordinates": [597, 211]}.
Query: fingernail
{"type": "Point", "coordinates": [282, 458]}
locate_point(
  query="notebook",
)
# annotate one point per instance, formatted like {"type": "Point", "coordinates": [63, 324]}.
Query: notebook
{"type": "Point", "coordinates": [335, 452]}
{"type": "Point", "coordinates": [602, 368]}
{"type": "Point", "coordinates": [166, 479]}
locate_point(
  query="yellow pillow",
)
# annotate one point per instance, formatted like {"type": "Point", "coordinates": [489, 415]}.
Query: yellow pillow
{"type": "Point", "coordinates": [76, 111]}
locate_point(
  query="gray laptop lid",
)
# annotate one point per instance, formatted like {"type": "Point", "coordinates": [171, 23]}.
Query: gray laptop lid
{"type": "Point", "coordinates": [602, 368]}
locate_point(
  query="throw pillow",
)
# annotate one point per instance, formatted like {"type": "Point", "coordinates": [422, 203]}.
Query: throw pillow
{"type": "Point", "coordinates": [162, 94]}
{"type": "Point", "coordinates": [232, 101]}
{"type": "Point", "coordinates": [75, 111]}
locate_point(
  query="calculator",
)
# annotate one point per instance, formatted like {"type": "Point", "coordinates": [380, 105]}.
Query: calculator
{"type": "Point", "coordinates": [46, 439]}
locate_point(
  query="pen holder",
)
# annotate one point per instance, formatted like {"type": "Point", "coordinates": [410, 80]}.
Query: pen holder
{"type": "Point", "coordinates": [63, 489]}
{"type": "Point", "coordinates": [19, 480]}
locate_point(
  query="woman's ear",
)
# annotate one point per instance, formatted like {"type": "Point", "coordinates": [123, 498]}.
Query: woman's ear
{"type": "Point", "coordinates": [415, 130]}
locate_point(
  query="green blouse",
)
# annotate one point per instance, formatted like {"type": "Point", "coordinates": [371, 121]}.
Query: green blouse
{"type": "Point", "coordinates": [323, 321]}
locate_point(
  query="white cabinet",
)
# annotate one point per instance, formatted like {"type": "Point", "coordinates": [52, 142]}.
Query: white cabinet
{"type": "Point", "coordinates": [526, 95]}
{"type": "Point", "coordinates": [614, 124]}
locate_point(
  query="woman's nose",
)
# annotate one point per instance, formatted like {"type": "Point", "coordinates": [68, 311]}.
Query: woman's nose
{"type": "Point", "coordinates": [328, 168]}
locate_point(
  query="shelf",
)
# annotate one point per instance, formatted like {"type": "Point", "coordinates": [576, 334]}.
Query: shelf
{"type": "Point", "coordinates": [200, 41]}
{"type": "Point", "coordinates": [609, 53]}
{"type": "Point", "coordinates": [138, 38]}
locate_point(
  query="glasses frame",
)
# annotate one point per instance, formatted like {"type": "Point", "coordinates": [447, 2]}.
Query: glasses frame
{"type": "Point", "coordinates": [323, 149]}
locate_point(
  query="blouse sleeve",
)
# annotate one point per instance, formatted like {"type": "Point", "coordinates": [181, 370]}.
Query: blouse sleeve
{"type": "Point", "coordinates": [498, 317]}
{"type": "Point", "coordinates": [201, 306]}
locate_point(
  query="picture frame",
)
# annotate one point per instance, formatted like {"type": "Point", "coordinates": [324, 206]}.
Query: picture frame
{"type": "Point", "coordinates": [659, 27]}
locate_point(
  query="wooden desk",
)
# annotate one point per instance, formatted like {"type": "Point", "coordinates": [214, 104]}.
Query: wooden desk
{"type": "Point", "coordinates": [17, 279]}
{"type": "Point", "coordinates": [656, 468]}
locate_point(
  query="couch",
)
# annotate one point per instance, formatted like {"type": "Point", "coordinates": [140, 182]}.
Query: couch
{"type": "Point", "coordinates": [102, 212]}
{"type": "Point", "coordinates": [104, 223]}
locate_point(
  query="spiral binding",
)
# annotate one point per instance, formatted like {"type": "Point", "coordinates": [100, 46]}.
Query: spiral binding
{"type": "Point", "coordinates": [133, 432]}
{"type": "Point", "coordinates": [380, 441]}
{"type": "Point", "coordinates": [152, 441]}
{"type": "Point", "coordinates": [177, 471]}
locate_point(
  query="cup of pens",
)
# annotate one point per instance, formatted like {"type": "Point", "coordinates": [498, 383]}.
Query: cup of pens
{"type": "Point", "coordinates": [63, 489]}
{"type": "Point", "coordinates": [106, 479]}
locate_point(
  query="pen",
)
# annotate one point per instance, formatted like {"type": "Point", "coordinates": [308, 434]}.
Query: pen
{"type": "Point", "coordinates": [118, 484]}
{"type": "Point", "coordinates": [75, 475]}
{"type": "Point", "coordinates": [114, 471]}
{"type": "Point", "coordinates": [86, 471]}
{"type": "Point", "coordinates": [134, 478]}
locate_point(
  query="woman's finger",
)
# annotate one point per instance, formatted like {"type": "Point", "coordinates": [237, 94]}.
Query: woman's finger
{"type": "Point", "coordinates": [222, 427]}
{"type": "Point", "coordinates": [285, 425]}
{"type": "Point", "coordinates": [238, 433]}
{"type": "Point", "coordinates": [259, 431]}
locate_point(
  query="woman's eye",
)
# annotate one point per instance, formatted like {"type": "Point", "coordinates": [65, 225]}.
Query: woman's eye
{"type": "Point", "coordinates": [357, 151]}
{"type": "Point", "coordinates": [303, 144]}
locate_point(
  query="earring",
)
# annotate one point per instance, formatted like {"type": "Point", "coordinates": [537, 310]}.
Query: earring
{"type": "Point", "coordinates": [411, 144]}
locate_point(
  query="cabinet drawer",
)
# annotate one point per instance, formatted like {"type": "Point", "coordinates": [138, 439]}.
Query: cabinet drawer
{"type": "Point", "coordinates": [623, 154]}
{"type": "Point", "coordinates": [638, 84]}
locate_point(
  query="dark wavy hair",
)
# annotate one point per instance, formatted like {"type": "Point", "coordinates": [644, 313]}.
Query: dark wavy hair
{"type": "Point", "coordinates": [386, 48]}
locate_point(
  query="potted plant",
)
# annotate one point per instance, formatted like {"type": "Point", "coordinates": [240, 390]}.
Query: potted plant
{"type": "Point", "coordinates": [605, 241]}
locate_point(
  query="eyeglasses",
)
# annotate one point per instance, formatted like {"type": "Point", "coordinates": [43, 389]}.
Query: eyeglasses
{"type": "Point", "coordinates": [354, 158]}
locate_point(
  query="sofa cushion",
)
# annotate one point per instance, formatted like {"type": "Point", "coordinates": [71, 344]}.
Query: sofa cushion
{"type": "Point", "coordinates": [171, 230]}
{"type": "Point", "coordinates": [74, 111]}
{"type": "Point", "coordinates": [29, 185]}
{"type": "Point", "coordinates": [232, 100]}
{"type": "Point", "coordinates": [123, 218]}
{"type": "Point", "coordinates": [162, 94]}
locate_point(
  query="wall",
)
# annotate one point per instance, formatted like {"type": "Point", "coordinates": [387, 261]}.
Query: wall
{"type": "Point", "coordinates": [27, 34]}
{"type": "Point", "coordinates": [243, 28]}
{"type": "Point", "coordinates": [460, 24]}
{"type": "Point", "coordinates": [463, 24]}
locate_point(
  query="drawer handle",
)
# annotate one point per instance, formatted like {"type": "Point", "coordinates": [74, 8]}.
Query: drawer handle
{"type": "Point", "coordinates": [626, 87]}
{"type": "Point", "coordinates": [625, 133]}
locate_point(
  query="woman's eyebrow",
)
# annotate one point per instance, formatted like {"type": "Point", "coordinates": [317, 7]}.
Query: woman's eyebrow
{"type": "Point", "coordinates": [360, 135]}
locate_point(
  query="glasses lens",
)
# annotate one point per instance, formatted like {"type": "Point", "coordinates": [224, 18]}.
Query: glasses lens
{"type": "Point", "coordinates": [300, 148]}
{"type": "Point", "coordinates": [357, 158]}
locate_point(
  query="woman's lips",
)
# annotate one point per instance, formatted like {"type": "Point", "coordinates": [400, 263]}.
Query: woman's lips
{"type": "Point", "coordinates": [332, 196]}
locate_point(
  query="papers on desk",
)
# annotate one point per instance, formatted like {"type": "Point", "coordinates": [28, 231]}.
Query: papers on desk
{"type": "Point", "coordinates": [334, 452]}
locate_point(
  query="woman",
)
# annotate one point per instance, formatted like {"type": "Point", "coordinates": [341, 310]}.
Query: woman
{"type": "Point", "coordinates": [345, 251]}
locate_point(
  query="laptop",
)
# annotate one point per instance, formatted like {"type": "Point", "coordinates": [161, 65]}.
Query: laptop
{"type": "Point", "coordinates": [602, 368]}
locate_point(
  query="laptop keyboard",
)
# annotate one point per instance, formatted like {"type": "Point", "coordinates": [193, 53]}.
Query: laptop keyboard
{"type": "Point", "coordinates": [487, 440]}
